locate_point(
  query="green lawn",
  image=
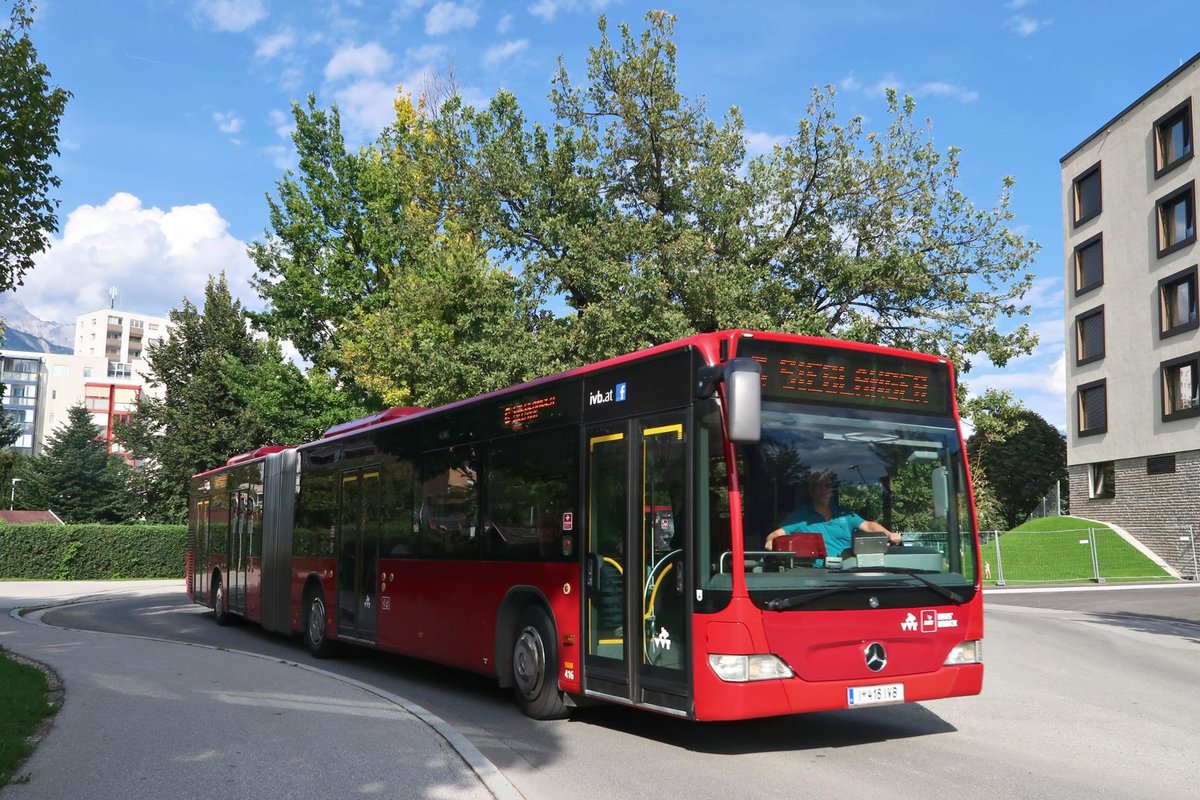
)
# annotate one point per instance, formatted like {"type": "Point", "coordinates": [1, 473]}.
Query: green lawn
{"type": "Point", "coordinates": [23, 704]}
{"type": "Point", "coordinates": [1058, 550]}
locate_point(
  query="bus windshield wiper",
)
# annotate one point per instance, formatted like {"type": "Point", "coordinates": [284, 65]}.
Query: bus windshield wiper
{"type": "Point", "coordinates": [780, 603]}
{"type": "Point", "coordinates": [936, 588]}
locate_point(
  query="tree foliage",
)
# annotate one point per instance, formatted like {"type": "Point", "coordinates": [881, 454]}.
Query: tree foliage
{"type": "Point", "coordinates": [469, 248]}
{"type": "Point", "coordinates": [1016, 459]}
{"type": "Point", "coordinates": [30, 110]}
{"type": "Point", "coordinates": [76, 477]}
{"type": "Point", "coordinates": [223, 392]}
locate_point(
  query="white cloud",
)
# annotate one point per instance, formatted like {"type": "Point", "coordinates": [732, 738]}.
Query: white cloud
{"type": "Point", "coordinates": [367, 61]}
{"type": "Point", "coordinates": [269, 47]}
{"type": "Point", "coordinates": [504, 24]}
{"type": "Point", "coordinates": [498, 54]}
{"type": "Point", "coordinates": [447, 17]}
{"type": "Point", "coordinates": [426, 54]}
{"type": "Point", "coordinates": [1026, 26]}
{"type": "Point", "coordinates": [231, 15]}
{"type": "Point", "coordinates": [282, 155]}
{"type": "Point", "coordinates": [758, 143]}
{"type": "Point", "coordinates": [548, 9]}
{"type": "Point", "coordinates": [879, 89]}
{"type": "Point", "coordinates": [944, 89]}
{"type": "Point", "coordinates": [367, 106]}
{"type": "Point", "coordinates": [544, 9]}
{"type": "Point", "coordinates": [155, 258]}
{"type": "Point", "coordinates": [850, 84]}
{"type": "Point", "coordinates": [227, 122]}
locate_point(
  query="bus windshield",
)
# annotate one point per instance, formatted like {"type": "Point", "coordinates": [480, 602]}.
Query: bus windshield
{"type": "Point", "coordinates": [836, 482]}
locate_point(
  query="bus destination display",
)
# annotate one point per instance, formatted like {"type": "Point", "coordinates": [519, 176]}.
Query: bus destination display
{"type": "Point", "coordinates": [520, 415]}
{"type": "Point", "coordinates": [850, 378]}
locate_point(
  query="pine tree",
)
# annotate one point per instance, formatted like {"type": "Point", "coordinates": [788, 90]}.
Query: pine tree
{"type": "Point", "coordinates": [76, 477]}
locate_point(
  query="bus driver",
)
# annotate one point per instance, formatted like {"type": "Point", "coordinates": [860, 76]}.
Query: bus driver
{"type": "Point", "coordinates": [835, 523]}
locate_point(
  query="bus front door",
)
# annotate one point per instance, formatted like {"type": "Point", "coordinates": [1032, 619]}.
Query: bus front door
{"type": "Point", "coordinates": [636, 615]}
{"type": "Point", "coordinates": [358, 555]}
{"type": "Point", "coordinates": [606, 617]}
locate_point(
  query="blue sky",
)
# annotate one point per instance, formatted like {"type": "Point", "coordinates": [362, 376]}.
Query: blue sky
{"type": "Point", "coordinates": [179, 124]}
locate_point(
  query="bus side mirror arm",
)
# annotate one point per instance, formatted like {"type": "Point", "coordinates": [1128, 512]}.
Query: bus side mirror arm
{"type": "Point", "coordinates": [743, 396]}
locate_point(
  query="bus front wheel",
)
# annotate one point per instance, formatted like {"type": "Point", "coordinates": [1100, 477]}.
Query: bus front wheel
{"type": "Point", "coordinates": [316, 638]}
{"type": "Point", "coordinates": [535, 666]}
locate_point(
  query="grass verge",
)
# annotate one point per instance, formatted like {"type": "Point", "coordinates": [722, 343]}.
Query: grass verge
{"type": "Point", "coordinates": [1058, 550]}
{"type": "Point", "coordinates": [24, 704]}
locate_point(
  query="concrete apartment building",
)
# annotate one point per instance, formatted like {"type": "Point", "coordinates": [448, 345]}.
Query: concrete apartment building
{"type": "Point", "coordinates": [1133, 336]}
{"type": "Point", "coordinates": [105, 373]}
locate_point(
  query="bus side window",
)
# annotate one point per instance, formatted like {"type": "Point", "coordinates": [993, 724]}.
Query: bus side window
{"type": "Point", "coordinates": [530, 481]}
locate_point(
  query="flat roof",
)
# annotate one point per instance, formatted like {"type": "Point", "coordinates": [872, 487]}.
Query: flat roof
{"type": "Point", "coordinates": [1130, 107]}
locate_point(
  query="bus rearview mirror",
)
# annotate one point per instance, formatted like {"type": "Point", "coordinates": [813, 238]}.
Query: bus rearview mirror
{"type": "Point", "coordinates": [941, 493]}
{"type": "Point", "coordinates": [743, 400]}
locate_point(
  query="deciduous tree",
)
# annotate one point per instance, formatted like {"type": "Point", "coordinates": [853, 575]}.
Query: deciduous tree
{"type": "Point", "coordinates": [30, 110]}
{"type": "Point", "coordinates": [1020, 456]}
{"type": "Point", "coordinates": [467, 247]}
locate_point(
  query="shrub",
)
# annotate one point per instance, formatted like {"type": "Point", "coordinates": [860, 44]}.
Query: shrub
{"type": "Point", "coordinates": [92, 552]}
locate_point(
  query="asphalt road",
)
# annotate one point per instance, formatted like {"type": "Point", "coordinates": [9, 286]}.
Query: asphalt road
{"type": "Point", "coordinates": [1087, 695]}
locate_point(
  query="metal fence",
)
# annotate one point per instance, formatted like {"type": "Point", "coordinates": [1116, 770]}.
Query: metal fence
{"type": "Point", "coordinates": [1086, 555]}
{"type": "Point", "coordinates": [1054, 504]}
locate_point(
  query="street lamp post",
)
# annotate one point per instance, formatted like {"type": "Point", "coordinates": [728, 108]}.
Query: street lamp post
{"type": "Point", "coordinates": [12, 496]}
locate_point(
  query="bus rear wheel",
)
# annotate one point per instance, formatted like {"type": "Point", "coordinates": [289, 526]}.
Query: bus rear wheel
{"type": "Point", "coordinates": [535, 660]}
{"type": "Point", "coordinates": [220, 613]}
{"type": "Point", "coordinates": [315, 637]}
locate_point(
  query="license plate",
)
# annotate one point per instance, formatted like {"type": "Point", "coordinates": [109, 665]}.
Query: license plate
{"type": "Point", "coordinates": [875, 695]}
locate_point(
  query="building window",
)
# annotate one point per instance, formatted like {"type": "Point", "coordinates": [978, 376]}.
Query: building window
{"type": "Point", "coordinates": [1160, 465]}
{"type": "Point", "coordinates": [1089, 265]}
{"type": "Point", "coordinates": [1093, 408]}
{"type": "Point", "coordinates": [62, 371]}
{"type": "Point", "coordinates": [114, 320]}
{"type": "Point", "coordinates": [1086, 193]}
{"type": "Point", "coordinates": [1089, 336]}
{"type": "Point", "coordinates": [1177, 220]}
{"type": "Point", "coordinates": [1181, 387]}
{"type": "Point", "coordinates": [1173, 136]}
{"type": "Point", "coordinates": [1103, 480]}
{"type": "Point", "coordinates": [1177, 303]}
{"type": "Point", "coordinates": [87, 372]}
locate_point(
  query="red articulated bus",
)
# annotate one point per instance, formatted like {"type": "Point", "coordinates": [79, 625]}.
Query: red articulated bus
{"type": "Point", "coordinates": [601, 534]}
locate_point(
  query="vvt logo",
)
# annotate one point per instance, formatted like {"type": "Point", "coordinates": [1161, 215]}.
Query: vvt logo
{"type": "Point", "coordinates": [616, 394]}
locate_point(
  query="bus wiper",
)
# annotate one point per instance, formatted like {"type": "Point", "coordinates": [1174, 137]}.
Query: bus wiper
{"type": "Point", "coordinates": [936, 588]}
{"type": "Point", "coordinates": [780, 603]}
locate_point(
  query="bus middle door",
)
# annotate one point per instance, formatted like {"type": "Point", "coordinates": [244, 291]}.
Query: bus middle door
{"type": "Point", "coordinates": [358, 555]}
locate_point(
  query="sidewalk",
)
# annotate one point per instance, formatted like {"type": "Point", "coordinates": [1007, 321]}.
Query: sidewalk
{"type": "Point", "coordinates": [150, 719]}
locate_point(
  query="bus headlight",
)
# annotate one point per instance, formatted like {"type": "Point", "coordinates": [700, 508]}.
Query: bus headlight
{"type": "Point", "coordinates": [965, 653]}
{"type": "Point", "coordinates": [739, 669]}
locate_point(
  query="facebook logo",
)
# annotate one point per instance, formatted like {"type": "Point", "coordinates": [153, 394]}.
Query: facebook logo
{"type": "Point", "coordinates": [620, 393]}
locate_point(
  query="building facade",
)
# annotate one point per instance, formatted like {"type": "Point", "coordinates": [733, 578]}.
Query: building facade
{"type": "Point", "coordinates": [106, 373]}
{"type": "Point", "coordinates": [1133, 335]}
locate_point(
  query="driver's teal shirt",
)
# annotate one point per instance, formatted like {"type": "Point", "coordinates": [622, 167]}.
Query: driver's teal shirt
{"type": "Point", "coordinates": [837, 531]}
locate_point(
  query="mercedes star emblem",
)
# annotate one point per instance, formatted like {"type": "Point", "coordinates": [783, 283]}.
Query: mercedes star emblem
{"type": "Point", "coordinates": [876, 657]}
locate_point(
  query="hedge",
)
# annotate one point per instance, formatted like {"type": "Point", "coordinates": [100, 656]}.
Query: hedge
{"type": "Point", "coordinates": [91, 552]}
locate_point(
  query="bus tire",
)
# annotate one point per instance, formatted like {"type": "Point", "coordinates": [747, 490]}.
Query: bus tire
{"type": "Point", "coordinates": [316, 637]}
{"type": "Point", "coordinates": [535, 667]}
{"type": "Point", "coordinates": [220, 612]}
